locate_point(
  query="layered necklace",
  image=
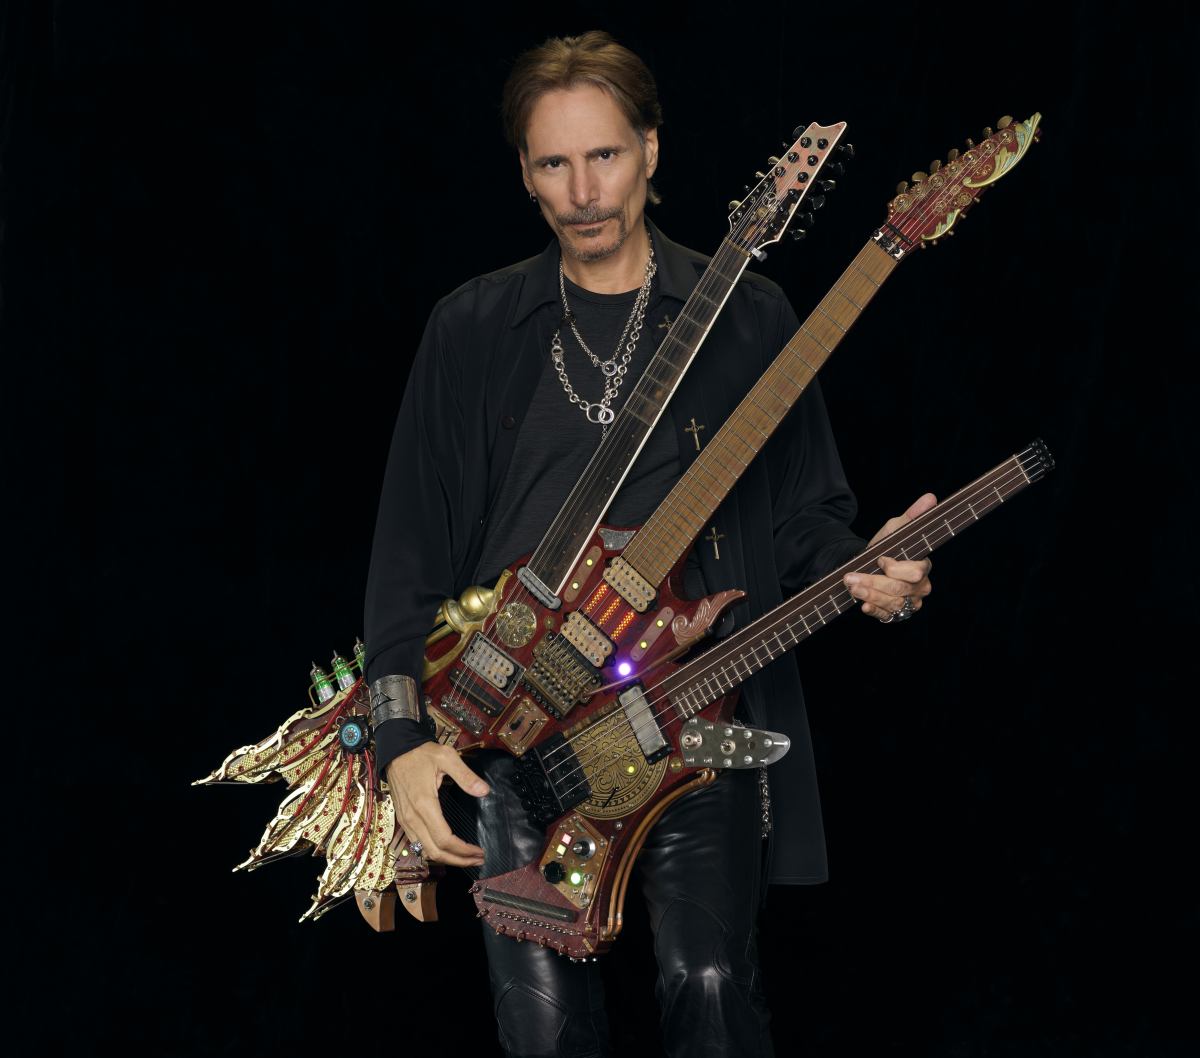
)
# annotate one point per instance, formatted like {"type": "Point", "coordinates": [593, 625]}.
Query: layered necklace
{"type": "Point", "coordinates": [614, 373]}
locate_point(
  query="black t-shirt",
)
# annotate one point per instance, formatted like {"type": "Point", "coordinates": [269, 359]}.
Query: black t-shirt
{"type": "Point", "coordinates": [557, 441]}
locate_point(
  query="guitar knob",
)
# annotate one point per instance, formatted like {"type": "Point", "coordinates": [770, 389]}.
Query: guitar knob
{"type": "Point", "coordinates": [970, 143]}
{"type": "Point", "coordinates": [987, 131]}
{"type": "Point", "coordinates": [1004, 122]}
{"type": "Point", "coordinates": [918, 176]}
{"type": "Point", "coordinates": [952, 154]}
{"type": "Point", "coordinates": [555, 872]}
{"type": "Point", "coordinates": [935, 165]}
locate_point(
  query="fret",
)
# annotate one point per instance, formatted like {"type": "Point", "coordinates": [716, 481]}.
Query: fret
{"type": "Point", "coordinates": [949, 526]}
{"type": "Point", "coordinates": [718, 440]}
{"type": "Point", "coordinates": [746, 418]}
{"type": "Point", "coordinates": [766, 411]}
{"type": "Point", "coordinates": [831, 319]}
{"type": "Point", "coordinates": [804, 328]}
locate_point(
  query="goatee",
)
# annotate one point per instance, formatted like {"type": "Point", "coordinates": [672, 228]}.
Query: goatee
{"type": "Point", "coordinates": [591, 215]}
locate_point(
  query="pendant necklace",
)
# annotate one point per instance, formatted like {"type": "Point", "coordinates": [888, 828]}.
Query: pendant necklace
{"type": "Point", "coordinates": [614, 373]}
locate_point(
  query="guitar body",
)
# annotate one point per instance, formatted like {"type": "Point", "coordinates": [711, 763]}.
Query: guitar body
{"type": "Point", "coordinates": [599, 759]}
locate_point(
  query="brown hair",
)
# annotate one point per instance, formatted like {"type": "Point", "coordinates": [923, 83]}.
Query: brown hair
{"type": "Point", "coordinates": [594, 58]}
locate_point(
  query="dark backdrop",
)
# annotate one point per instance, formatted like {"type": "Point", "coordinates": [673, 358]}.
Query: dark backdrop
{"type": "Point", "coordinates": [224, 229]}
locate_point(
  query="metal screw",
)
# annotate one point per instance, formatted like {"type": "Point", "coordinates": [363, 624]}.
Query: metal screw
{"type": "Point", "coordinates": [727, 763]}
{"type": "Point", "coordinates": [747, 759]}
{"type": "Point", "coordinates": [767, 743]}
{"type": "Point", "coordinates": [729, 731]}
{"type": "Point", "coordinates": [747, 733]}
{"type": "Point", "coordinates": [617, 826]}
{"type": "Point", "coordinates": [410, 897]}
{"type": "Point", "coordinates": [368, 903]}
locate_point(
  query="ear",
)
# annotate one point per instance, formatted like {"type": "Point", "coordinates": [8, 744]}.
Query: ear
{"type": "Point", "coordinates": [651, 151]}
{"type": "Point", "coordinates": [525, 173]}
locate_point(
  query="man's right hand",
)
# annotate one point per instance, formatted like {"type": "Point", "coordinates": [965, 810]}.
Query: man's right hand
{"type": "Point", "coordinates": [414, 779]}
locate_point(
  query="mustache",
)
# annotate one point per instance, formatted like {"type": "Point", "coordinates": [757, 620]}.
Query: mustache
{"type": "Point", "coordinates": [590, 215]}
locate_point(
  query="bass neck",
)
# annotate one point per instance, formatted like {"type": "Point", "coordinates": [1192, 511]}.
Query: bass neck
{"type": "Point", "coordinates": [728, 664]}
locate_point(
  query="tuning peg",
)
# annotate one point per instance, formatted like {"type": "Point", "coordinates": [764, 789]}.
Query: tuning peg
{"type": "Point", "coordinates": [827, 185]}
{"type": "Point", "coordinates": [786, 143]}
{"type": "Point", "coordinates": [772, 160]}
{"type": "Point", "coordinates": [807, 219]}
{"type": "Point", "coordinates": [816, 202]}
{"type": "Point", "coordinates": [987, 131]}
{"type": "Point", "coordinates": [745, 189]}
{"type": "Point", "coordinates": [1004, 122]}
{"type": "Point", "coordinates": [797, 131]}
{"type": "Point", "coordinates": [836, 168]}
{"type": "Point", "coordinates": [733, 204]}
{"type": "Point", "coordinates": [935, 165]}
{"type": "Point", "coordinates": [953, 153]}
{"type": "Point", "coordinates": [799, 234]}
{"type": "Point", "coordinates": [970, 143]}
{"type": "Point", "coordinates": [902, 187]}
{"type": "Point", "coordinates": [918, 176]}
{"type": "Point", "coordinates": [760, 175]}
{"type": "Point", "coordinates": [845, 148]}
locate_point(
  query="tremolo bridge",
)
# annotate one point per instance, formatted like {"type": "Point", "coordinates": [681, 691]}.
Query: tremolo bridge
{"type": "Point", "coordinates": [560, 674]}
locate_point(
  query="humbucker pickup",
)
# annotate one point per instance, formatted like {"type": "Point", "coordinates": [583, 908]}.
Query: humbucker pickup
{"type": "Point", "coordinates": [638, 712]}
{"type": "Point", "coordinates": [493, 665]}
{"type": "Point", "coordinates": [587, 639]}
{"type": "Point", "coordinates": [630, 584]}
{"type": "Point", "coordinates": [559, 675]}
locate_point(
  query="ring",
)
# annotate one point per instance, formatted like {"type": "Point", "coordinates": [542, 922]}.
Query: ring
{"type": "Point", "coordinates": [416, 848]}
{"type": "Point", "coordinates": [905, 612]}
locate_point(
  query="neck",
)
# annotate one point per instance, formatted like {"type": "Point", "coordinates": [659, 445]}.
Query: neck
{"type": "Point", "coordinates": [624, 270]}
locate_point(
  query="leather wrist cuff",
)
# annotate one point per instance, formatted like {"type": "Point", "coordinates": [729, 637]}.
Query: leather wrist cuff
{"type": "Point", "coordinates": [394, 698]}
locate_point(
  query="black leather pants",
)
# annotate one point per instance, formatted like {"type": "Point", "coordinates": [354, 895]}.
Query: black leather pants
{"type": "Point", "coordinates": [699, 873]}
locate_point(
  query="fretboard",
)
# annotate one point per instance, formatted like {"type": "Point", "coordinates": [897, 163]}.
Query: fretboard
{"type": "Point", "coordinates": [681, 517]}
{"type": "Point", "coordinates": [559, 552]}
{"type": "Point", "coordinates": [728, 664]}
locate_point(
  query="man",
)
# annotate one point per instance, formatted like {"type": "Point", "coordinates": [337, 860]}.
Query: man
{"type": "Point", "coordinates": [493, 433]}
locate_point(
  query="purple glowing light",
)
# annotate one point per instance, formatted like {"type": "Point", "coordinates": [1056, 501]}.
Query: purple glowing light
{"type": "Point", "coordinates": [624, 668]}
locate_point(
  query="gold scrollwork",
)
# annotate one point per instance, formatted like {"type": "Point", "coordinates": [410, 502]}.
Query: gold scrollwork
{"type": "Point", "coordinates": [620, 778]}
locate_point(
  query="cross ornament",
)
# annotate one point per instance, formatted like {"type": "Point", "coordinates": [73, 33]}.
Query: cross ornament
{"type": "Point", "coordinates": [694, 430]}
{"type": "Point", "coordinates": [713, 537]}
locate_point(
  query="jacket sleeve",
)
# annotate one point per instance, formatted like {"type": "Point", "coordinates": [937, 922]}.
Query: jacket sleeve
{"type": "Point", "coordinates": [811, 502]}
{"type": "Point", "coordinates": [419, 528]}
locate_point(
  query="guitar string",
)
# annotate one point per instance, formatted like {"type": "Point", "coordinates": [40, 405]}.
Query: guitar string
{"type": "Point", "coordinates": [954, 511]}
{"type": "Point", "coordinates": [923, 214]}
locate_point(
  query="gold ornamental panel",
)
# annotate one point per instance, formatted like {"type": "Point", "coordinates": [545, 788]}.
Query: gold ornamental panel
{"type": "Point", "coordinates": [515, 624]}
{"type": "Point", "coordinates": [619, 775]}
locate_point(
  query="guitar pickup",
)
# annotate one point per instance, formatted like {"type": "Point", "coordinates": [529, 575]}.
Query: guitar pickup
{"type": "Point", "coordinates": [587, 639]}
{"type": "Point", "coordinates": [630, 585]}
{"type": "Point", "coordinates": [493, 665]}
{"type": "Point", "coordinates": [641, 718]}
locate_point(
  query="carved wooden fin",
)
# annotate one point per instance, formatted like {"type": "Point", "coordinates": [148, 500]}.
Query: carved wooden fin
{"type": "Point", "coordinates": [703, 619]}
{"type": "Point", "coordinates": [379, 909]}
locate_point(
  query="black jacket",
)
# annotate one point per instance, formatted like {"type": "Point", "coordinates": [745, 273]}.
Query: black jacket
{"type": "Point", "coordinates": [784, 524]}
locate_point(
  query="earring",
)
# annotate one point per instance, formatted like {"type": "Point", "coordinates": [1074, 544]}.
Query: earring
{"type": "Point", "coordinates": [532, 197]}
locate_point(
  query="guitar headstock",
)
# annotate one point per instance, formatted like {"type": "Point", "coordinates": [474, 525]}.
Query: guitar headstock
{"type": "Point", "coordinates": [1035, 459]}
{"type": "Point", "coordinates": [760, 218]}
{"type": "Point", "coordinates": [927, 209]}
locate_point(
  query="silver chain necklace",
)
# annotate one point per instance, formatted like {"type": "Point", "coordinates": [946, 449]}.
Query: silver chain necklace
{"type": "Point", "coordinates": [614, 373]}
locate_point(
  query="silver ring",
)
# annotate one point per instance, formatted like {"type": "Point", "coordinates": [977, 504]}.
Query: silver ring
{"type": "Point", "coordinates": [905, 612]}
{"type": "Point", "coordinates": [416, 848]}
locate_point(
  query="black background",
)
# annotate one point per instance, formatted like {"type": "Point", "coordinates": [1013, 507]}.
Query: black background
{"type": "Point", "coordinates": [224, 229]}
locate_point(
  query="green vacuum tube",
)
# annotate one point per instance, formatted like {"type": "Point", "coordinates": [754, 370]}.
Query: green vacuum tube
{"type": "Point", "coordinates": [321, 683]}
{"type": "Point", "coordinates": [343, 672]}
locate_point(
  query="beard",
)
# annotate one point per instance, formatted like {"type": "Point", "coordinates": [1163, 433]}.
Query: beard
{"type": "Point", "coordinates": [591, 215]}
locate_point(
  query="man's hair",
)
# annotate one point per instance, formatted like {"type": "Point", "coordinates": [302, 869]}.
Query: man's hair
{"type": "Point", "coordinates": [572, 62]}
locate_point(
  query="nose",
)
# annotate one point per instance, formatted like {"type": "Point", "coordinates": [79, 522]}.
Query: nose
{"type": "Point", "coordinates": [584, 187]}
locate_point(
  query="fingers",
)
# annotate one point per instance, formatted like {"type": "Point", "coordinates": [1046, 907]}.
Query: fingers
{"type": "Point", "coordinates": [925, 503]}
{"type": "Point", "coordinates": [882, 596]}
{"type": "Point", "coordinates": [452, 764]}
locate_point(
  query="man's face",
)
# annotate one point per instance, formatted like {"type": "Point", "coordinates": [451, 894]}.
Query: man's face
{"type": "Point", "coordinates": [588, 170]}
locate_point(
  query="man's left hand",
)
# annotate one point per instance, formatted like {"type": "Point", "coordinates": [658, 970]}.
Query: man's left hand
{"type": "Point", "coordinates": [883, 595]}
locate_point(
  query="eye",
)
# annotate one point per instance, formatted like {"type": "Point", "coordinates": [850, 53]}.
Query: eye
{"type": "Point", "coordinates": [606, 155]}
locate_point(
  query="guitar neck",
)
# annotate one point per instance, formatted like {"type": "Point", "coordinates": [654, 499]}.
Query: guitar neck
{"type": "Point", "coordinates": [716, 672]}
{"type": "Point", "coordinates": [681, 517]}
{"type": "Point", "coordinates": [558, 553]}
